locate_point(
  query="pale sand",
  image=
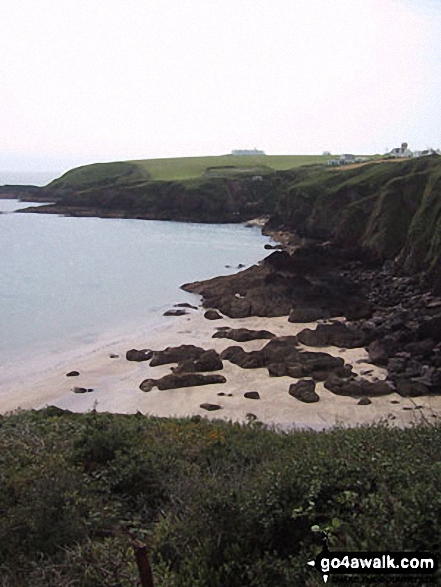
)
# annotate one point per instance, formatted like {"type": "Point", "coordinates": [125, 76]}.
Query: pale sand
{"type": "Point", "coordinates": [116, 382]}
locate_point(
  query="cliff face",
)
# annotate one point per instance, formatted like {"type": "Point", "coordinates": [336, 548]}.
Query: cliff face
{"type": "Point", "coordinates": [393, 210]}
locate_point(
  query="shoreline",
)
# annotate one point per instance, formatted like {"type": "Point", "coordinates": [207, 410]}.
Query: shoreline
{"type": "Point", "coordinates": [116, 381]}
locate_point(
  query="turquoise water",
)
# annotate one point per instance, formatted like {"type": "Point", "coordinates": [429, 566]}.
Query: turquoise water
{"type": "Point", "coordinates": [67, 280]}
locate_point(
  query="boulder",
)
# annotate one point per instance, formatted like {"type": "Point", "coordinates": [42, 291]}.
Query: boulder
{"type": "Point", "coordinates": [242, 334]}
{"type": "Point", "coordinates": [177, 354]}
{"type": "Point", "coordinates": [335, 334]}
{"type": "Point", "coordinates": [80, 390]}
{"type": "Point", "coordinates": [356, 386]}
{"type": "Point", "coordinates": [175, 381]}
{"type": "Point", "coordinates": [252, 395]}
{"type": "Point", "coordinates": [212, 315]}
{"type": "Point", "coordinates": [142, 355]}
{"type": "Point", "coordinates": [210, 407]}
{"type": "Point", "coordinates": [308, 314]}
{"type": "Point", "coordinates": [208, 361]}
{"type": "Point", "coordinates": [378, 353]}
{"type": "Point", "coordinates": [365, 401]}
{"type": "Point", "coordinates": [72, 374]}
{"type": "Point", "coordinates": [175, 313]}
{"type": "Point", "coordinates": [186, 305]}
{"type": "Point", "coordinates": [304, 391]}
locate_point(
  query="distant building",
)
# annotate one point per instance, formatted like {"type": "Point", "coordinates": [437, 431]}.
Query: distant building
{"type": "Point", "coordinates": [400, 152]}
{"type": "Point", "coordinates": [247, 152]}
{"type": "Point", "coordinates": [426, 153]}
{"type": "Point", "coordinates": [347, 159]}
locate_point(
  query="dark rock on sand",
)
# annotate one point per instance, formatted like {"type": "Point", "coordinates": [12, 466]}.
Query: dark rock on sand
{"type": "Point", "coordinates": [357, 386]}
{"type": "Point", "coordinates": [304, 391]}
{"type": "Point", "coordinates": [80, 390]}
{"type": "Point", "coordinates": [174, 381]}
{"type": "Point", "coordinates": [252, 395]}
{"type": "Point", "coordinates": [175, 313]}
{"type": "Point", "coordinates": [243, 334]}
{"type": "Point", "coordinates": [208, 361]}
{"type": "Point", "coordinates": [186, 305]}
{"type": "Point", "coordinates": [365, 401]}
{"type": "Point", "coordinates": [177, 354]}
{"type": "Point", "coordinates": [72, 374]}
{"type": "Point", "coordinates": [210, 407]}
{"type": "Point", "coordinates": [142, 355]}
{"type": "Point", "coordinates": [335, 334]}
{"type": "Point", "coordinates": [282, 357]}
{"type": "Point", "coordinates": [212, 315]}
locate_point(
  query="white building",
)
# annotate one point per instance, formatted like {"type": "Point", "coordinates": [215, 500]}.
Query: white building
{"type": "Point", "coordinates": [247, 152]}
{"type": "Point", "coordinates": [400, 152]}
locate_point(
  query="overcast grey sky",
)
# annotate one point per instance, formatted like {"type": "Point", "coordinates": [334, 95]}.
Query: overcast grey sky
{"type": "Point", "coordinates": [96, 80]}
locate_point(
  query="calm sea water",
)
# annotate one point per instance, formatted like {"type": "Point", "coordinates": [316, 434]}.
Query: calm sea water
{"type": "Point", "coordinates": [66, 280]}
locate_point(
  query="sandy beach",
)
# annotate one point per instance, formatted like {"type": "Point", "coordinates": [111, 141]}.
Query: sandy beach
{"type": "Point", "coordinates": [115, 381]}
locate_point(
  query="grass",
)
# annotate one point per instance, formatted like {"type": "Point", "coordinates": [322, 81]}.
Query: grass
{"type": "Point", "coordinates": [176, 169]}
{"type": "Point", "coordinates": [220, 504]}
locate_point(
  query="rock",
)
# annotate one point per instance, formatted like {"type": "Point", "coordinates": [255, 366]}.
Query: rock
{"type": "Point", "coordinates": [113, 356]}
{"type": "Point", "coordinates": [175, 381]}
{"type": "Point", "coordinates": [365, 401]}
{"type": "Point", "coordinates": [277, 369]}
{"type": "Point", "coordinates": [177, 354]}
{"type": "Point", "coordinates": [210, 407]}
{"type": "Point", "coordinates": [237, 356]}
{"type": "Point", "coordinates": [142, 355]}
{"type": "Point", "coordinates": [411, 388]}
{"type": "Point", "coordinates": [208, 361]}
{"type": "Point", "coordinates": [378, 354]}
{"type": "Point", "coordinates": [221, 393]}
{"type": "Point", "coordinates": [431, 328]}
{"type": "Point", "coordinates": [175, 313]}
{"type": "Point", "coordinates": [335, 334]}
{"type": "Point", "coordinates": [252, 395]}
{"type": "Point", "coordinates": [186, 305]}
{"type": "Point", "coordinates": [308, 314]}
{"type": "Point", "coordinates": [212, 315]}
{"type": "Point", "coordinates": [79, 390]}
{"type": "Point", "coordinates": [72, 374]}
{"type": "Point", "coordinates": [240, 266]}
{"type": "Point", "coordinates": [242, 334]}
{"type": "Point", "coordinates": [304, 391]}
{"type": "Point", "coordinates": [357, 387]}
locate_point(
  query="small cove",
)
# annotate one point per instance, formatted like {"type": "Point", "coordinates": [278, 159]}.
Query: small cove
{"type": "Point", "coordinates": [70, 282]}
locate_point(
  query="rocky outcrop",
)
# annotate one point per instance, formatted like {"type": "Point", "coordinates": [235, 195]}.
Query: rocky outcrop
{"type": "Point", "coordinates": [178, 354]}
{"type": "Point", "coordinates": [304, 391]}
{"type": "Point", "coordinates": [175, 312]}
{"type": "Point", "coordinates": [336, 334]}
{"type": "Point", "coordinates": [175, 381]}
{"type": "Point", "coordinates": [357, 386]}
{"type": "Point", "coordinates": [281, 356]}
{"type": "Point", "coordinates": [207, 361]}
{"type": "Point", "coordinates": [243, 334]}
{"type": "Point", "coordinates": [212, 315]}
{"type": "Point", "coordinates": [305, 285]}
{"type": "Point", "coordinates": [142, 355]}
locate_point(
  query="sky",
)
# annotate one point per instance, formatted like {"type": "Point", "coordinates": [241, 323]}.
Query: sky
{"type": "Point", "coordinates": [83, 81]}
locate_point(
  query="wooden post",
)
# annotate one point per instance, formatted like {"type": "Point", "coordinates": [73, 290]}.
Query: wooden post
{"type": "Point", "coordinates": [142, 559]}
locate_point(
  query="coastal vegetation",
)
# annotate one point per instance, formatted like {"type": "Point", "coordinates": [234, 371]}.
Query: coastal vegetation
{"type": "Point", "coordinates": [219, 504]}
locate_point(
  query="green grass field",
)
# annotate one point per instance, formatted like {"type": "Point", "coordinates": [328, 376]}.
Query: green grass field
{"type": "Point", "coordinates": [176, 169]}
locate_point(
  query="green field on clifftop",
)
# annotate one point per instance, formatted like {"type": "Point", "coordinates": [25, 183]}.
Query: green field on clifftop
{"type": "Point", "coordinates": [179, 168]}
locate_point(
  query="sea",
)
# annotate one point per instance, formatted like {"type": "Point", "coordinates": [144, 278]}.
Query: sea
{"type": "Point", "coordinates": [66, 282]}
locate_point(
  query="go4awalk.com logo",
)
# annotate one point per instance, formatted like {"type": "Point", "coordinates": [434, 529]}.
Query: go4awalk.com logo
{"type": "Point", "coordinates": [373, 563]}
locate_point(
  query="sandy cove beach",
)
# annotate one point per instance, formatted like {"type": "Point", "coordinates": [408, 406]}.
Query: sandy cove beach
{"type": "Point", "coordinates": [115, 382]}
